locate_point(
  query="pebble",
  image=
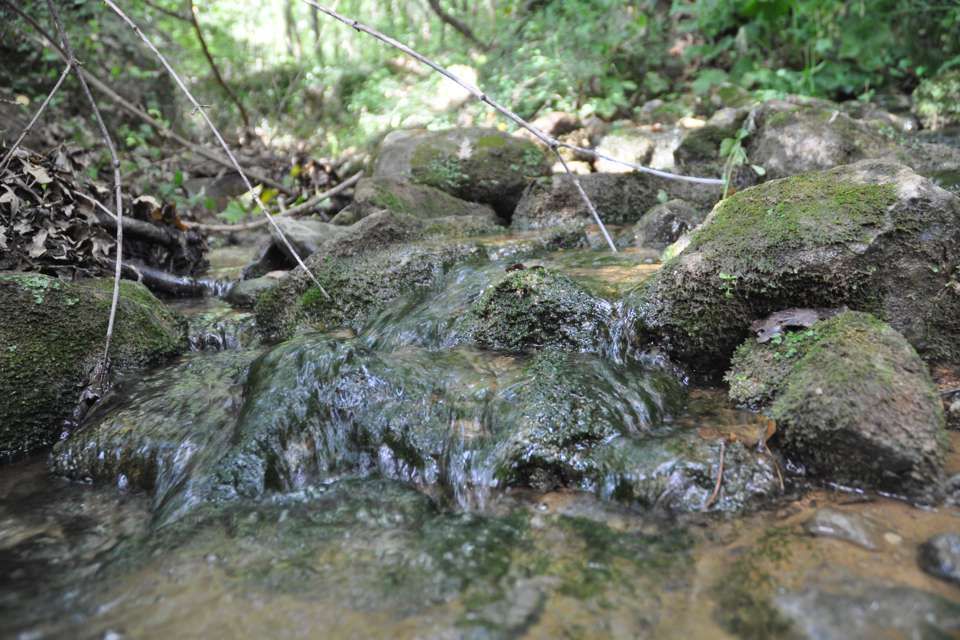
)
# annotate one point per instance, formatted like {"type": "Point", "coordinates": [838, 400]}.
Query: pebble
{"type": "Point", "coordinates": [831, 523]}
{"type": "Point", "coordinates": [940, 557]}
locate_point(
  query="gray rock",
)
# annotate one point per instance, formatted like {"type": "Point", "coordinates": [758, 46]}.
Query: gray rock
{"type": "Point", "coordinates": [874, 236]}
{"type": "Point", "coordinates": [665, 223]}
{"type": "Point", "coordinates": [940, 557]}
{"type": "Point", "coordinates": [401, 196]}
{"type": "Point", "coordinates": [244, 293]}
{"type": "Point", "coordinates": [853, 402]}
{"type": "Point", "coordinates": [850, 527]}
{"type": "Point", "coordinates": [627, 142]}
{"type": "Point", "coordinates": [475, 164]}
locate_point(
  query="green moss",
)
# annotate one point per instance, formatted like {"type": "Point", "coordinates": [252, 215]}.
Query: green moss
{"type": "Point", "coordinates": [937, 100]}
{"type": "Point", "coordinates": [57, 330]}
{"type": "Point", "coordinates": [743, 594]}
{"type": "Point", "coordinates": [803, 212]}
{"type": "Point", "coordinates": [491, 142]}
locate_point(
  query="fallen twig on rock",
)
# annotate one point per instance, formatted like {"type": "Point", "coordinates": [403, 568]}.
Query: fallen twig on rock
{"type": "Point", "coordinates": [103, 368]}
{"type": "Point", "coordinates": [304, 207]}
{"type": "Point", "coordinates": [216, 132]}
{"type": "Point", "coordinates": [552, 143]}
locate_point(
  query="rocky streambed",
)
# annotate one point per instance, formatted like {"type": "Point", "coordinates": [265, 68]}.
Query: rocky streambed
{"type": "Point", "coordinates": [453, 430]}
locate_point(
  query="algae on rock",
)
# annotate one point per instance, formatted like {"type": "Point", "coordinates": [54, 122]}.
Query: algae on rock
{"type": "Point", "coordinates": [852, 400]}
{"type": "Point", "coordinates": [873, 235]}
{"type": "Point", "coordinates": [51, 337]}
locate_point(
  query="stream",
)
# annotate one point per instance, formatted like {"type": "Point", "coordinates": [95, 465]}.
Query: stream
{"type": "Point", "coordinates": [381, 483]}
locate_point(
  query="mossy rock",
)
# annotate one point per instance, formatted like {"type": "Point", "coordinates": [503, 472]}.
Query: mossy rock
{"type": "Point", "coordinates": [620, 198]}
{"type": "Point", "coordinates": [702, 144]}
{"type": "Point", "coordinates": [852, 400]}
{"type": "Point", "coordinates": [475, 164]}
{"type": "Point", "coordinates": [665, 223]}
{"type": "Point", "coordinates": [795, 136]}
{"type": "Point", "coordinates": [536, 308]}
{"type": "Point", "coordinates": [403, 196]}
{"type": "Point", "coordinates": [936, 101]}
{"type": "Point", "coordinates": [874, 236]}
{"type": "Point", "coordinates": [357, 285]}
{"type": "Point", "coordinates": [52, 335]}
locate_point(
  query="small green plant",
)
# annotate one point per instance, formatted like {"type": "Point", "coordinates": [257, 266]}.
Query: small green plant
{"type": "Point", "coordinates": [735, 155]}
{"type": "Point", "coordinates": [728, 282]}
{"type": "Point", "coordinates": [791, 343]}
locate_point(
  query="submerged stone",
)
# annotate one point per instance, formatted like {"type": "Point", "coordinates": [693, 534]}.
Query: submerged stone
{"type": "Point", "coordinates": [52, 336]}
{"type": "Point", "coordinates": [872, 235]}
{"type": "Point", "coordinates": [852, 401]}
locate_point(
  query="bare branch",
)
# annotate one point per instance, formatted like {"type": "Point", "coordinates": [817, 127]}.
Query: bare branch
{"type": "Point", "coordinates": [167, 12]}
{"type": "Point", "coordinates": [458, 25]}
{"type": "Point", "coordinates": [543, 137]}
{"type": "Point", "coordinates": [303, 207]}
{"type": "Point", "coordinates": [104, 368]}
{"type": "Point", "coordinates": [218, 136]}
{"type": "Point", "coordinates": [166, 132]}
{"type": "Point", "coordinates": [36, 116]}
{"type": "Point", "coordinates": [194, 20]}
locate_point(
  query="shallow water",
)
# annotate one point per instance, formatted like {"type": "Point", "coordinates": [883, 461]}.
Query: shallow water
{"type": "Point", "coordinates": [333, 539]}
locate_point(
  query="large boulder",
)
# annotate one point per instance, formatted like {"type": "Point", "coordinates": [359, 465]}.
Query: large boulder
{"type": "Point", "coordinates": [536, 308]}
{"type": "Point", "coordinates": [402, 196]}
{"type": "Point", "coordinates": [852, 400]}
{"type": "Point", "coordinates": [789, 137]}
{"type": "Point", "coordinates": [620, 198]}
{"type": "Point", "coordinates": [52, 335]}
{"type": "Point", "coordinates": [872, 235]}
{"type": "Point", "coordinates": [936, 101]}
{"type": "Point", "coordinates": [475, 164]}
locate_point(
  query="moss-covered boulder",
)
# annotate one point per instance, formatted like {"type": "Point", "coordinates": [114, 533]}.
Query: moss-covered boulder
{"type": "Point", "coordinates": [51, 337]}
{"type": "Point", "coordinates": [358, 284]}
{"type": "Point", "coordinates": [796, 136]}
{"type": "Point", "coordinates": [620, 198]}
{"type": "Point", "coordinates": [872, 235]}
{"type": "Point", "coordinates": [936, 101]}
{"type": "Point", "coordinates": [475, 164]}
{"type": "Point", "coordinates": [852, 400]}
{"type": "Point", "coordinates": [403, 196]}
{"type": "Point", "coordinates": [537, 308]}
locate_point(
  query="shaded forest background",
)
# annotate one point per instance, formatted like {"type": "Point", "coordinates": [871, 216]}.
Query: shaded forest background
{"type": "Point", "coordinates": [294, 81]}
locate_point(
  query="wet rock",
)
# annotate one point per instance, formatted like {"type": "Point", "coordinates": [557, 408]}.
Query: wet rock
{"type": "Point", "coordinates": [478, 165]}
{"type": "Point", "coordinates": [850, 527]}
{"type": "Point", "coordinates": [860, 610]}
{"type": "Point", "coordinates": [402, 196]}
{"type": "Point", "coordinates": [940, 557]}
{"type": "Point", "coordinates": [244, 293]}
{"type": "Point", "coordinates": [665, 223]}
{"type": "Point", "coordinates": [619, 198]}
{"type": "Point", "coordinates": [936, 100]}
{"type": "Point", "coordinates": [534, 308]}
{"type": "Point", "coordinates": [163, 433]}
{"type": "Point", "coordinates": [358, 284]}
{"type": "Point", "coordinates": [792, 137]}
{"type": "Point", "coordinates": [852, 401]}
{"type": "Point", "coordinates": [873, 235]}
{"type": "Point", "coordinates": [52, 336]}
{"type": "Point", "coordinates": [221, 328]}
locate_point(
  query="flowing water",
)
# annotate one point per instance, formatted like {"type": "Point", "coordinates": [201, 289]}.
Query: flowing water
{"type": "Point", "coordinates": [395, 481]}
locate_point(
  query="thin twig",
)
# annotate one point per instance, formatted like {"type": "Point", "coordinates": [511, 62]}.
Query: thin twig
{"type": "Point", "coordinates": [458, 25]}
{"type": "Point", "coordinates": [219, 137]}
{"type": "Point", "coordinates": [195, 21]}
{"type": "Point", "coordinates": [162, 129]}
{"type": "Point", "coordinates": [716, 487]}
{"type": "Point", "coordinates": [36, 116]}
{"type": "Point", "coordinates": [300, 208]}
{"type": "Point", "coordinates": [543, 137]}
{"type": "Point", "coordinates": [104, 369]}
